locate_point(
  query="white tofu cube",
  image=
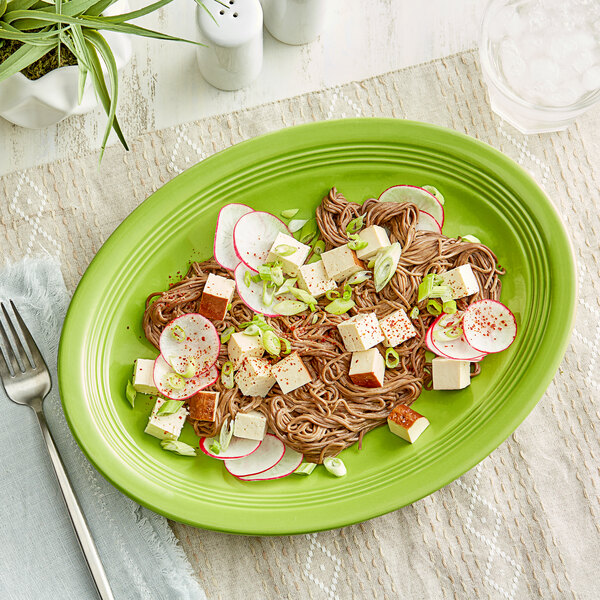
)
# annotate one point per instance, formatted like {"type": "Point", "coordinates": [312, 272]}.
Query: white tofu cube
{"type": "Point", "coordinates": [166, 427]}
{"type": "Point", "coordinates": [254, 377]}
{"type": "Point", "coordinates": [361, 332]}
{"type": "Point", "coordinates": [203, 406]}
{"type": "Point", "coordinates": [216, 296]}
{"type": "Point", "coordinates": [397, 328]}
{"type": "Point", "coordinates": [406, 423]}
{"type": "Point", "coordinates": [450, 374]}
{"type": "Point", "coordinates": [241, 346]}
{"type": "Point", "coordinates": [251, 425]}
{"type": "Point", "coordinates": [314, 279]}
{"type": "Point", "coordinates": [367, 368]}
{"type": "Point", "coordinates": [376, 238]}
{"type": "Point", "coordinates": [291, 263]}
{"type": "Point", "coordinates": [291, 373]}
{"type": "Point", "coordinates": [461, 280]}
{"type": "Point", "coordinates": [341, 262]}
{"type": "Point", "coordinates": [143, 376]}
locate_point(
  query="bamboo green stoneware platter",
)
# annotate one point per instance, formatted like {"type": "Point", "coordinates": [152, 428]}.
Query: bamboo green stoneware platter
{"type": "Point", "coordinates": [487, 195]}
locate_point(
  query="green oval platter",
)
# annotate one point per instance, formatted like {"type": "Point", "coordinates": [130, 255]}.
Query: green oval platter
{"type": "Point", "coordinates": [487, 195]}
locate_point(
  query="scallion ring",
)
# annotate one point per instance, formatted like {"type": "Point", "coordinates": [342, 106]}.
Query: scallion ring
{"type": "Point", "coordinates": [285, 250]}
{"type": "Point", "coordinates": [339, 306]}
{"type": "Point", "coordinates": [178, 333]}
{"type": "Point", "coordinates": [226, 433]}
{"type": "Point", "coordinates": [392, 360]}
{"type": "Point", "coordinates": [252, 330]}
{"type": "Point", "coordinates": [355, 225]}
{"type": "Point", "coordinates": [306, 468]}
{"type": "Point", "coordinates": [268, 293]}
{"type": "Point", "coordinates": [414, 313]}
{"type": "Point", "coordinates": [178, 447]}
{"type": "Point", "coordinates": [449, 307]}
{"type": "Point", "coordinates": [308, 232]}
{"type": "Point", "coordinates": [347, 292]}
{"type": "Point", "coordinates": [356, 242]}
{"type": "Point", "coordinates": [332, 294]}
{"type": "Point", "coordinates": [319, 247]}
{"type": "Point", "coordinates": [247, 278]}
{"type": "Point", "coordinates": [175, 381]}
{"type": "Point", "coordinates": [288, 308]}
{"type": "Point", "coordinates": [359, 277]}
{"type": "Point", "coordinates": [169, 407]}
{"type": "Point", "coordinates": [289, 213]}
{"type": "Point", "coordinates": [287, 347]}
{"type": "Point", "coordinates": [271, 343]}
{"type": "Point", "coordinates": [434, 308]}
{"type": "Point", "coordinates": [227, 374]}
{"type": "Point", "coordinates": [226, 335]}
{"type": "Point", "coordinates": [335, 466]}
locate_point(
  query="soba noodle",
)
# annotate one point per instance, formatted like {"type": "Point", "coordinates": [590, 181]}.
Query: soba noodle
{"type": "Point", "coordinates": [331, 413]}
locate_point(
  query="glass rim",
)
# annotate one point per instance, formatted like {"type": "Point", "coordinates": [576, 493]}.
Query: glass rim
{"type": "Point", "coordinates": [489, 71]}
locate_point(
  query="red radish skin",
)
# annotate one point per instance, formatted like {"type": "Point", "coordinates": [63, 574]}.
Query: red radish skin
{"type": "Point", "coordinates": [422, 198]}
{"type": "Point", "coordinates": [268, 454]}
{"type": "Point", "coordinates": [238, 448]}
{"type": "Point", "coordinates": [223, 249]}
{"type": "Point", "coordinates": [202, 343]}
{"type": "Point", "coordinates": [428, 223]}
{"type": "Point", "coordinates": [489, 326]}
{"type": "Point", "coordinates": [253, 236]}
{"type": "Point", "coordinates": [286, 466]}
{"type": "Point", "coordinates": [192, 385]}
{"type": "Point", "coordinates": [252, 296]}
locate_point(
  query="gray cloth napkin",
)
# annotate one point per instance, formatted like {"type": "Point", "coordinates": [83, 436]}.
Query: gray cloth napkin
{"type": "Point", "coordinates": [39, 553]}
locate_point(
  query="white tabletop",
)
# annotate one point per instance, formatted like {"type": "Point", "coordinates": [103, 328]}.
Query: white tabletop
{"type": "Point", "coordinates": [163, 86]}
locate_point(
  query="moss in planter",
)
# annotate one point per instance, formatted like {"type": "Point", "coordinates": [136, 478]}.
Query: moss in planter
{"type": "Point", "coordinates": [43, 65]}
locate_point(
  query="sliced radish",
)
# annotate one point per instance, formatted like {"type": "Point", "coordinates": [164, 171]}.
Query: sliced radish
{"type": "Point", "coordinates": [238, 447]}
{"type": "Point", "coordinates": [267, 455]}
{"type": "Point", "coordinates": [457, 349]}
{"type": "Point", "coordinates": [253, 236]}
{"type": "Point", "coordinates": [428, 223]}
{"type": "Point", "coordinates": [252, 295]}
{"type": "Point", "coordinates": [190, 340]}
{"type": "Point", "coordinates": [191, 386]}
{"type": "Point", "coordinates": [489, 326]}
{"type": "Point", "coordinates": [428, 343]}
{"type": "Point", "coordinates": [223, 248]}
{"type": "Point", "coordinates": [288, 464]}
{"type": "Point", "coordinates": [422, 198]}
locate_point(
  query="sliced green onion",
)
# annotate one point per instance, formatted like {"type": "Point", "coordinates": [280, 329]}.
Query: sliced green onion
{"type": "Point", "coordinates": [439, 291]}
{"type": "Point", "coordinates": [226, 433]}
{"type": "Point", "coordinates": [178, 447]}
{"type": "Point", "coordinates": [296, 225]}
{"type": "Point", "coordinates": [355, 225]}
{"type": "Point", "coordinates": [359, 277]}
{"type": "Point", "coordinates": [191, 368]}
{"type": "Point", "coordinates": [425, 287]}
{"type": "Point", "coordinates": [434, 192]}
{"type": "Point", "coordinates": [247, 278]}
{"type": "Point", "coordinates": [446, 334]}
{"type": "Point", "coordinates": [471, 238]}
{"type": "Point", "coordinates": [227, 375]}
{"type": "Point", "coordinates": [175, 381]}
{"type": "Point", "coordinates": [332, 294]}
{"type": "Point", "coordinates": [287, 285]}
{"type": "Point", "coordinates": [252, 330]}
{"type": "Point", "coordinates": [339, 306]}
{"type": "Point", "coordinates": [271, 343]}
{"type": "Point", "coordinates": [449, 307]}
{"type": "Point", "coordinates": [288, 308]}
{"type": "Point", "coordinates": [414, 313]}
{"type": "Point", "coordinates": [305, 468]}
{"type": "Point", "coordinates": [314, 319]}
{"type": "Point", "coordinates": [285, 250]}
{"type": "Point", "coordinates": [265, 272]}
{"type": "Point", "coordinates": [385, 265]}
{"type": "Point", "coordinates": [335, 466]}
{"type": "Point", "coordinates": [226, 335]}
{"type": "Point", "coordinates": [215, 447]}
{"type": "Point", "coordinates": [229, 307]}
{"type": "Point", "coordinates": [178, 333]}
{"type": "Point", "coordinates": [287, 347]}
{"type": "Point", "coordinates": [170, 407]}
{"type": "Point", "coordinates": [347, 292]}
{"type": "Point", "coordinates": [303, 296]}
{"type": "Point", "coordinates": [268, 293]}
{"type": "Point", "coordinates": [308, 232]}
{"type": "Point", "coordinates": [289, 213]}
{"type": "Point", "coordinates": [371, 263]}
{"type": "Point", "coordinates": [256, 278]}
{"type": "Point", "coordinates": [319, 247]}
{"type": "Point", "coordinates": [130, 393]}
{"type": "Point", "coordinates": [356, 243]}
{"type": "Point", "coordinates": [392, 360]}
{"type": "Point", "coordinates": [434, 308]}
{"type": "Point", "coordinates": [277, 276]}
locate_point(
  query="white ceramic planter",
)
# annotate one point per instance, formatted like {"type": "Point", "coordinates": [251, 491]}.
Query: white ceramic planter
{"type": "Point", "coordinates": [295, 21]}
{"type": "Point", "coordinates": [53, 97]}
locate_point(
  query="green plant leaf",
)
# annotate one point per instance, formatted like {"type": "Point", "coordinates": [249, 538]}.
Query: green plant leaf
{"type": "Point", "coordinates": [3, 5]}
{"type": "Point", "coordinates": [80, 48]}
{"type": "Point", "coordinates": [137, 13]}
{"type": "Point", "coordinates": [99, 7]}
{"type": "Point", "coordinates": [35, 38]}
{"type": "Point", "coordinates": [96, 43]}
{"type": "Point", "coordinates": [22, 58]}
{"type": "Point", "coordinates": [23, 4]}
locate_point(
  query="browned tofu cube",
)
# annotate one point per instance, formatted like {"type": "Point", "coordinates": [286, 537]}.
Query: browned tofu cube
{"type": "Point", "coordinates": [367, 368]}
{"type": "Point", "coordinates": [406, 423]}
{"type": "Point", "coordinates": [216, 296]}
{"type": "Point", "coordinates": [203, 406]}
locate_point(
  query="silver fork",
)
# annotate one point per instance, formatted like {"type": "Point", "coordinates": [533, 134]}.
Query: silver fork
{"type": "Point", "coordinates": [26, 380]}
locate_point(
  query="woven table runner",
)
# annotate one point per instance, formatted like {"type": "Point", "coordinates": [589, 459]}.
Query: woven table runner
{"type": "Point", "coordinates": [524, 523]}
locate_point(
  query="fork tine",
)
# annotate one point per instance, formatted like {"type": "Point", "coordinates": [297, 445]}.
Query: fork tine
{"type": "Point", "coordinates": [36, 355]}
{"type": "Point", "coordinates": [18, 345]}
{"type": "Point", "coordinates": [8, 354]}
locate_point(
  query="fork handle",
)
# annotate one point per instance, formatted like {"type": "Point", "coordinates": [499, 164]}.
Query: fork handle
{"type": "Point", "coordinates": [80, 525]}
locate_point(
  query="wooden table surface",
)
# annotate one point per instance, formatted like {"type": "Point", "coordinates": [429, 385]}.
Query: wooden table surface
{"type": "Point", "coordinates": [163, 87]}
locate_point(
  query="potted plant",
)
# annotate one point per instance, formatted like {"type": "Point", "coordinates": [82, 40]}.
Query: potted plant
{"type": "Point", "coordinates": [58, 58]}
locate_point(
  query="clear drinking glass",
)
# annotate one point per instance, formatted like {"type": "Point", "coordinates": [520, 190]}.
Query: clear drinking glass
{"type": "Point", "coordinates": [541, 61]}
